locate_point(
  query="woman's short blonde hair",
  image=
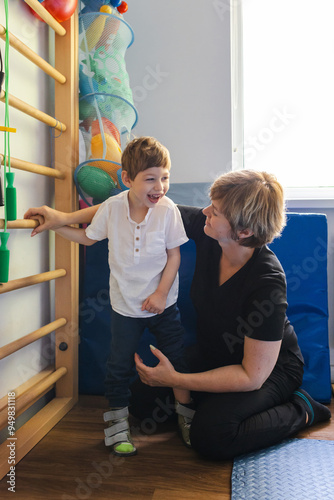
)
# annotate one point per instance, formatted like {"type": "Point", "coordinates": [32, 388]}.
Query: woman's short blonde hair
{"type": "Point", "coordinates": [251, 200]}
{"type": "Point", "coordinates": [142, 153]}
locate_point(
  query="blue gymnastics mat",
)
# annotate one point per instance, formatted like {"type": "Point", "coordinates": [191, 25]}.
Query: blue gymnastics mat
{"type": "Point", "coordinates": [296, 469]}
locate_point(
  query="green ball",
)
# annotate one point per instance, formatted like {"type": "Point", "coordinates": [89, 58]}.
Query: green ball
{"type": "Point", "coordinates": [95, 182]}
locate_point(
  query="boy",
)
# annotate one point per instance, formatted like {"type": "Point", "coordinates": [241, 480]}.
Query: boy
{"type": "Point", "coordinates": [144, 231]}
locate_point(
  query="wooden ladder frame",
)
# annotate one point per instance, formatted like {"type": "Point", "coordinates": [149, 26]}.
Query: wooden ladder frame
{"type": "Point", "coordinates": [64, 376]}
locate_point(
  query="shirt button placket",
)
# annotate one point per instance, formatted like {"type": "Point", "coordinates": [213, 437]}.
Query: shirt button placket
{"type": "Point", "coordinates": [137, 243]}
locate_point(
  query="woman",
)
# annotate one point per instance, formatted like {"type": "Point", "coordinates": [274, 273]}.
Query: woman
{"type": "Point", "coordinates": [246, 366]}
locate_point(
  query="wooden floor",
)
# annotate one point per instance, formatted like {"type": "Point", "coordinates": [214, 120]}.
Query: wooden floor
{"type": "Point", "coordinates": [71, 462]}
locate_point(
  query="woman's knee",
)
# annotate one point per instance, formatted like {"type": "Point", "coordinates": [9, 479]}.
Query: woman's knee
{"type": "Point", "coordinates": [212, 440]}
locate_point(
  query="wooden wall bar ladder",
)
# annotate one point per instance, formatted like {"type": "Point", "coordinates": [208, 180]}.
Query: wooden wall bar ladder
{"type": "Point", "coordinates": [63, 377]}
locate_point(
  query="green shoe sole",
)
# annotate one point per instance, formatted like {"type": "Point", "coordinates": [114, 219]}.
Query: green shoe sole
{"type": "Point", "coordinates": [124, 450]}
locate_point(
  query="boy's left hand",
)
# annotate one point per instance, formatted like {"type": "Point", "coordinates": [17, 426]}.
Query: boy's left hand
{"type": "Point", "coordinates": [155, 303]}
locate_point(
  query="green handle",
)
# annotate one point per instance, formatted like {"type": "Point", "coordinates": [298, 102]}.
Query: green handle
{"type": "Point", "coordinates": [4, 258]}
{"type": "Point", "coordinates": [10, 197]}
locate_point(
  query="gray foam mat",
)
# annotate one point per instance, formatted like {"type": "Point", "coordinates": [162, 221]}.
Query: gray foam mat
{"type": "Point", "coordinates": [296, 469]}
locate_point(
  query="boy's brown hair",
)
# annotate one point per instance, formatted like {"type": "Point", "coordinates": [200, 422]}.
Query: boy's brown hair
{"type": "Point", "coordinates": [142, 153]}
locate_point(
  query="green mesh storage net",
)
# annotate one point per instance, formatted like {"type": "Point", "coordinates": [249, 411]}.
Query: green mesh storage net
{"type": "Point", "coordinates": [106, 109]}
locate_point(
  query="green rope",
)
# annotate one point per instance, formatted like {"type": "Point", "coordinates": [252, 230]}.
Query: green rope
{"type": "Point", "coordinates": [6, 134]}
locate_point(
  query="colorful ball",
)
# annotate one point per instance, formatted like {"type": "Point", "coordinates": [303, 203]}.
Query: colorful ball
{"type": "Point", "coordinates": [61, 10]}
{"type": "Point", "coordinates": [108, 128]}
{"type": "Point", "coordinates": [95, 182]}
{"type": "Point", "coordinates": [113, 154]}
{"type": "Point", "coordinates": [106, 9]}
{"type": "Point", "coordinates": [122, 8]}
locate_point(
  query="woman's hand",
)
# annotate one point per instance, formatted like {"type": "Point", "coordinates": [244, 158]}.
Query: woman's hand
{"type": "Point", "coordinates": [47, 217]}
{"type": "Point", "coordinates": [162, 375]}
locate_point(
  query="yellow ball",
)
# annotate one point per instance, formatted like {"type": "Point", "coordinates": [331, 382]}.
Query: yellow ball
{"type": "Point", "coordinates": [113, 153]}
{"type": "Point", "coordinates": [106, 8]}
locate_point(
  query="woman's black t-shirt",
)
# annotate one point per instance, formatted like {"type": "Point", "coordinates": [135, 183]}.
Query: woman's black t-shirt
{"type": "Point", "coordinates": [251, 303]}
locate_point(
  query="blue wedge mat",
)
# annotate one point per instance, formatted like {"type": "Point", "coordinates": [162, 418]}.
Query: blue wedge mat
{"type": "Point", "coordinates": [296, 469]}
{"type": "Point", "coordinates": [302, 251]}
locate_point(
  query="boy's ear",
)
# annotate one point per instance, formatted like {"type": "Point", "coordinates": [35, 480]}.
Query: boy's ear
{"type": "Point", "coordinates": [126, 179]}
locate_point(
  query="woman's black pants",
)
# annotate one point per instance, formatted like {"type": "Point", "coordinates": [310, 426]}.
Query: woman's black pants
{"type": "Point", "coordinates": [226, 425]}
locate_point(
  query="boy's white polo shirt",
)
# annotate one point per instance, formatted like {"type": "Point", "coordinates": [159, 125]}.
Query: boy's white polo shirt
{"type": "Point", "coordinates": [137, 252]}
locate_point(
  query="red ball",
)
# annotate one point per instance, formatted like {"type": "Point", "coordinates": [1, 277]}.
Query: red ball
{"type": "Point", "coordinates": [61, 10]}
{"type": "Point", "coordinates": [108, 128]}
{"type": "Point", "coordinates": [122, 8]}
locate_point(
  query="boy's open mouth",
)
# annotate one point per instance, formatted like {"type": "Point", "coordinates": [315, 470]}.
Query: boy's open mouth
{"type": "Point", "coordinates": [154, 198]}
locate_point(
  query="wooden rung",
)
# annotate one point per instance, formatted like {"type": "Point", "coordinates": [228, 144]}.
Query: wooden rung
{"type": "Point", "coordinates": [22, 410]}
{"type": "Point", "coordinates": [31, 396]}
{"type": "Point", "coordinates": [46, 16]}
{"type": "Point", "coordinates": [31, 337]}
{"type": "Point", "coordinates": [31, 111]}
{"type": "Point", "coordinates": [26, 386]}
{"type": "Point", "coordinates": [34, 430]}
{"type": "Point", "coordinates": [23, 402]}
{"type": "Point", "coordinates": [31, 280]}
{"type": "Point", "coordinates": [31, 55]}
{"type": "Point", "coordinates": [19, 224]}
{"type": "Point", "coordinates": [33, 167]}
